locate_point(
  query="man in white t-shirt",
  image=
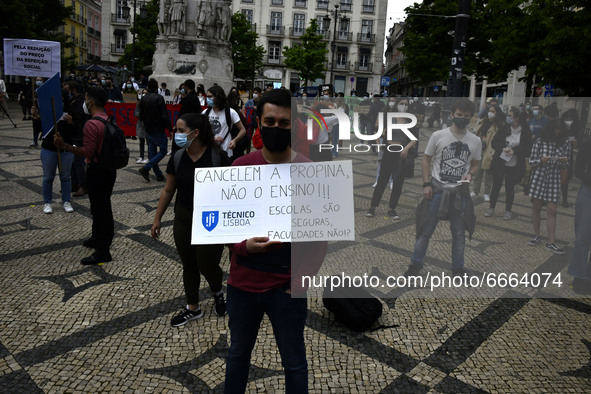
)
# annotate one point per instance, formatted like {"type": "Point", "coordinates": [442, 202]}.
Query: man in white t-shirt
{"type": "Point", "coordinates": [218, 112]}
{"type": "Point", "coordinates": [451, 157]}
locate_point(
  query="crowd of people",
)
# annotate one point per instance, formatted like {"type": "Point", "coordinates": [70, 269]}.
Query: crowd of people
{"type": "Point", "coordinates": [525, 145]}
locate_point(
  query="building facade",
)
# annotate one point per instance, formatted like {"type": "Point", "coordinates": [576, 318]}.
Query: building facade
{"type": "Point", "coordinates": [358, 43]}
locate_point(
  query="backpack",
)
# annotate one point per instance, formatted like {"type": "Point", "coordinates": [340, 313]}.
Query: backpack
{"type": "Point", "coordinates": [231, 126]}
{"type": "Point", "coordinates": [250, 118]}
{"type": "Point", "coordinates": [114, 152]}
{"type": "Point", "coordinates": [354, 307]}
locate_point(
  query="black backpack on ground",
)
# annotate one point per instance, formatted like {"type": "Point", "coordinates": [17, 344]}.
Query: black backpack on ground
{"type": "Point", "coordinates": [114, 152]}
{"type": "Point", "coordinates": [354, 307]}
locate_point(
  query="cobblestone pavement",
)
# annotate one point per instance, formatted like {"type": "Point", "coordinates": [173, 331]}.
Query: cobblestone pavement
{"type": "Point", "coordinates": [70, 328]}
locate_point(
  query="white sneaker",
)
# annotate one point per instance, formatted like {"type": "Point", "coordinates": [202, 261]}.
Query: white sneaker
{"type": "Point", "coordinates": [390, 186]}
{"type": "Point", "coordinates": [68, 207]}
{"type": "Point", "coordinates": [47, 208]}
{"type": "Point", "coordinates": [145, 161]}
{"type": "Point", "coordinates": [486, 198]}
{"type": "Point", "coordinates": [168, 153]}
{"type": "Point", "coordinates": [374, 185]}
{"type": "Point", "coordinates": [489, 212]}
{"type": "Point", "coordinates": [139, 160]}
{"type": "Point", "coordinates": [473, 195]}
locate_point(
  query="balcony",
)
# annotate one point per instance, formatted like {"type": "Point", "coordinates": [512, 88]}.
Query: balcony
{"type": "Point", "coordinates": [273, 59]}
{"type": "Point", "coordinates": [366, 37]}
{"type": "Point", "coordinates": [296, 31]}
{"type": "Point", "coordinates": [322, 5]}
{"type": "Point", "coordinates": [115, 49]}
{"type": "Point", "coordinates": [273, 30]}
{"type": "Point", "coordinates": [118, 19]}
{"type": "Point", "coordinates": [368, 9]}
{"type": "Point", "coordinates": [344, 36]}
{"type": "Point", "coordinates": [300, 4]}
{"type": "Point", "coordinates": [82, 43]}
{"type": "Point", "coordinates": [92, 32]}
{"type": "Point", "coordinates": [324, 33]}
{"type": "Point", "coordinates": [363, 66]}
{"type": "Point", "coordinates": [343, 66]}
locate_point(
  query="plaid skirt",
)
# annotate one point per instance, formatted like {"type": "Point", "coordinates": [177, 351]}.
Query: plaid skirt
{"type": "Point", "coordinates": [545, 183]}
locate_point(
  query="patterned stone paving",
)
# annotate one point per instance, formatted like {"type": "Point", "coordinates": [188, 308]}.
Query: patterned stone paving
{"type": "Point", "coordinates": [69, 328]}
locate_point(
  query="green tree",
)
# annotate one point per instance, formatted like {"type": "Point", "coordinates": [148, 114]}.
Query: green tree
{"type": "Point", "coordinates": [37, 20]}
{"type": "Point", "coordinates": [545, 37]}
{"type": "Point", "coordinates": [246, 54]}
{"type": "Point", "coordinates": [145, 30]}
{"type": "Point", "coordinates": [309, 57]}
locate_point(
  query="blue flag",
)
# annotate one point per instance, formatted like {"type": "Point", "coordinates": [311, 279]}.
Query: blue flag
{"type": "Point", "coordinates": [52, 88]}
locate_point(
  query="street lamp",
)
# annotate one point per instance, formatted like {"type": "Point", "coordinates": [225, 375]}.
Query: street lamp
{"type": "Point", "coordinates": [333, 45]}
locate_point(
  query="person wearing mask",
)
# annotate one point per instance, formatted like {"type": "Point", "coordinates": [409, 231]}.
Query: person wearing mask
{"type": "Point", "coordinates": [163, 91]}
{"type": "Point", "coordinates": [487, 130]}
{"type": "Point", "coordinates": [512, 144]}
{"type": "Point", "coordinates": [550, 153]}
{"type": "Point", "coordinates": [451, 156]}
{"type": "Point", "coordinates": [154, 115]}
{"type": "Point", "coordinates": [130, 81]}
{"type": "Point", "coordinates": [79, 118]}
{"type": "Point", "coordinates": [189, 104]}
{"type": "Point", "coordinates": [263, 273]}
{"type": "Point", "coordinates": [100, 181]}
{"type": "Point", "coordinates": [113, 94]}
{"type": "Point", "coordinates": [392, 163]}
{"type": "Point", "coordinates": [574, 130]}
{"type": "Point", "coordinates": [197, 149]}
{"type": "Point", "coordinates": [201, 94]}
{"type": "Point", "coordinates": [222, 119]}
{"type": "Point", "coordinates": [538, 120]}
{"type": "Point", "coordinates": [140, 131]}
{"type": "Point", "coordinates": [49, 160]}
{"type": "Point", "coordinates": [579, 266]}
{"type": "Point", "coordinates": [179, 94]}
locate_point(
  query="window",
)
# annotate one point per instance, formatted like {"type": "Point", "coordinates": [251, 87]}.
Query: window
{"type": "Point", "coordinates": [344, 29]}
{"type": "Point", "coordinates": [96, 23]}
{"type": "Point", "coordinates": [342, 53]}
{"type": "Point", "coordinates": [73, 32]}
{"type": "Point", "coordinates": [81, 13]}
{"type": "Point", "coordinates": [96, 50]}
{"type": "Point", "coordinates": [322, 4]}
{"type": "Point", "coordinates": [120, 5]}
{"type": "Point", "coordinates": [299, 21]}
{"type": "Point", "coordinates": [81, 37]}
{"type": "Point", "coordinates": [300, 3]}
{"type": "Point", "coordinates": [323, 24]}
{"type": "Point", "coordinates": [276, 22]}
{"type": "Point", "coordinates": [346, 5]}
{"type": "Point", "coordinates": [247, 1]}
{"type": "Point", "coordinates": [364, 54]}
{"type": "Point", "coordinates": [274, 51]}
{"type": "Point", "coordinates": [248, 14]}
{"type": "Point", "coordinates": [368, 5]}
{"type": "Point", "coordinates": [276, 2]}
{"type": "Point", "coordinates": [366, 30]}
{"type": "Point", "coordinates": [120, 43]}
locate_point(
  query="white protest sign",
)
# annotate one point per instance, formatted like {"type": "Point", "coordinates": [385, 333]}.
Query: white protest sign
{"type": "Point", "coordinates": [31, 58]}
{"type": "Point", "coordinates": [294, 202]}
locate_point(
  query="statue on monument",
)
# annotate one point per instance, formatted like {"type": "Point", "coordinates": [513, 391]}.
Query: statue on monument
{"type": "Point", "coordinates": [223, 21]}
{"type": "Point", "coordinates": [177, 17]}
{"type": "Point", "coordinates": [163, 18]}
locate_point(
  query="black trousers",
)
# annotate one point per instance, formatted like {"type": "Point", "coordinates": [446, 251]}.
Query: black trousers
{"type": "Point", "coordinates": [388, 167]}
{"type": "Point", "coordinates": [99, 183]}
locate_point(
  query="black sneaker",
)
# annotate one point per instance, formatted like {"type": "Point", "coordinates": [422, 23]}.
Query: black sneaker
{"type": "Point", "coordinates": [219, 304]}
{"type": "Point", "coordinates": [551, 246]}
{"type": "Point", "coordinates": [96, 258]}
{"type": "Point", "coordinates": [160, 178]}
{"type": "Point", "coordinates": [534, 241]}
{"type": "Point", "coordinates": [371, 213]}
{"type": "Point", "coordinates": [392, 213]}
{"type": "Point", "coordinates": [145, 173]}
{"type": "Point", "coordinates": [185, 316]}
{"type": "Point", "coordinates": [458, 272]}
{"type": "Point", "coordinates": [413, 270]}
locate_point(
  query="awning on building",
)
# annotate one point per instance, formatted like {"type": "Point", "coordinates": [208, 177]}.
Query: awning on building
{"type": "Point", "coordinates": [120, 32]}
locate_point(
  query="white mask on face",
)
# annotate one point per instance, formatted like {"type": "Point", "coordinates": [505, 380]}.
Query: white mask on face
{"type": "Point", "coordinates": [491, 115]}
{"type": "Point", "coordinates": [568, 123]}
{"type": "Point", "coordinates": [402, 107]}
{"type": "Point", "coordinates": [255, 95]}
{"type": "Point", "coordinates": [391, 104]}
{"type": "Point", "coordinates": [85, 108]}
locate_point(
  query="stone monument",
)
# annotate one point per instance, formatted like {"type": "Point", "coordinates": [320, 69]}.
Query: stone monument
{"type": "Point", "coordinates": [193, 43]}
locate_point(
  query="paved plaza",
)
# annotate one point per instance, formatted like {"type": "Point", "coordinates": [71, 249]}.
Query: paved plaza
{"type": "Point", "coordinates": [69, 328]}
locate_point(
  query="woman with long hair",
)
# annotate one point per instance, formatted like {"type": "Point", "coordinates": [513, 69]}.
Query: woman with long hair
{"type": "Point", "coordinates": [512, 144]}
{"type": "Point", "coordinates": [550, 153]}
{"type": "Point", "coordinates": [197, 150]}
{"type": "Point", "coordinates": [486, 131]}
{"type": "Point", "coordinates": [574, 129]}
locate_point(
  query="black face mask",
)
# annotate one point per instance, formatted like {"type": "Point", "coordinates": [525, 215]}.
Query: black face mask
{"type": "Point", "coordinates": [461, 123]}
{"type": "Point", "coordinates": [276, 139]}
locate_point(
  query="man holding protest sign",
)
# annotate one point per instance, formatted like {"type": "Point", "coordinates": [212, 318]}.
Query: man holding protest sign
{"type": "Point", "coordinates": [261, 270]}
{"type": "Point", "coordinates": [99, 180]}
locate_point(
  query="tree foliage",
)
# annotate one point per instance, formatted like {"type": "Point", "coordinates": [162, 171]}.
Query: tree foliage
{"type": "Point", "coordinates": [36, 20]}
{"type": "Point", "coordinates": [309, 57]}
{"type": "Point", "coordinates": [145, 30]}
{"type": "Point", "coordinates": [548, 37]}
{"type": "Point", "coordinates": [246, 54]}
